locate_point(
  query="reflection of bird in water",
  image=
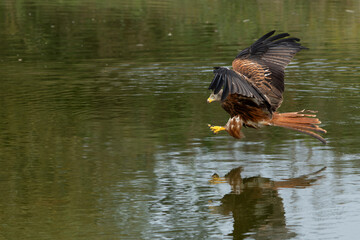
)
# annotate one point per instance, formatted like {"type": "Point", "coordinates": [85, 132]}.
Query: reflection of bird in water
{"type": "Point", "coordinates": [253, 91]}
{"type": "Point", "coordinates": [255, 205]}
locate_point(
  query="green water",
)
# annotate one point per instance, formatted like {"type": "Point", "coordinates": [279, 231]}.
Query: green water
{"type": "Point", "coordinates": [103, 122]}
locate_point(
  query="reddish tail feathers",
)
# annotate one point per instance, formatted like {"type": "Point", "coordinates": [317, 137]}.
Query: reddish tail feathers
{"type": "Point", "coordinates": [300, 121]}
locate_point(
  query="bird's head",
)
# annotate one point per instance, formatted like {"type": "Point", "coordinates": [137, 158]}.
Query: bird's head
{"type": "Point", "coordinates": [215, 97]}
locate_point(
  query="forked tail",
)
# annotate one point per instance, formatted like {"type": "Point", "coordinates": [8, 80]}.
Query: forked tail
{"type": "Point", "coordinates": [303, 121]}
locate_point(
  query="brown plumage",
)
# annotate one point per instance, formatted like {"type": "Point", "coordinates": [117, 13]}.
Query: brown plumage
{"type": "Point", "coordinates": [253, 91]}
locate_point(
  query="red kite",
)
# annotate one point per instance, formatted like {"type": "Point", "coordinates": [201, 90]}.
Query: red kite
{"type": "Point", "coordinates": [253, 90]}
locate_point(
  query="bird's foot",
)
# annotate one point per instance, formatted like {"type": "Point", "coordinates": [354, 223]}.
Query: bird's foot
{"type": "Point", "coordinates": [216, 129]}
{"type": "Point", "coordinates": [216, 179]}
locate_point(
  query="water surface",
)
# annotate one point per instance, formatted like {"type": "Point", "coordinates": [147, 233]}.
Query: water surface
{"type": "Point", "coordinates": [104, 122]}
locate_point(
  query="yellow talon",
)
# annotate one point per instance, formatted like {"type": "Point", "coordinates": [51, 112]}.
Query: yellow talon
{"type": "Point", "coordinates": [216, 129]}
{"type": "Point", "coordinates": [216, 179]}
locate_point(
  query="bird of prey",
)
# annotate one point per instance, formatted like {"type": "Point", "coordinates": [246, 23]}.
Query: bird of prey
{"type": "Point", "coordinates": [252, 91]}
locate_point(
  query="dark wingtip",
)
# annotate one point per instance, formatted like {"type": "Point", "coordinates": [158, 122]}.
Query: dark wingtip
{"type": "Point", "coordinates": [272, 32]}
{"type": "Point", "coordinates": [265, 36]}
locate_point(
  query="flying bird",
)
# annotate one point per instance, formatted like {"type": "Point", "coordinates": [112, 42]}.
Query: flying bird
{"type": "Point", "coordinates": [252, 91]}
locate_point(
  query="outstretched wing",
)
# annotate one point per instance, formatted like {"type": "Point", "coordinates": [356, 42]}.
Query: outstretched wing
{"type": "Point", "coordinates": [233, 82]}
{"type": "Point", "coordinates": [264, 62]}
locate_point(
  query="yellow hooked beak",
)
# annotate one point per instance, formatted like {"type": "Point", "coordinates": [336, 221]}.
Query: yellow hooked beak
{"type": "Point", "coordinates": [209, 100]}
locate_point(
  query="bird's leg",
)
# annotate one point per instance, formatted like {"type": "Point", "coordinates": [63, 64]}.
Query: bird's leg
{"type": "Point", "coordinates": [216, 129]}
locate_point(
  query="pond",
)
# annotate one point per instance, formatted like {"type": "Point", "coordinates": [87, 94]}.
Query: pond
{"type": "Point", "coordinates": [104, 122]}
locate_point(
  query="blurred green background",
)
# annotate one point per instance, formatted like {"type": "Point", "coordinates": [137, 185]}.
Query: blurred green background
{"type": "Point", "coordinates": [104, 116]}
